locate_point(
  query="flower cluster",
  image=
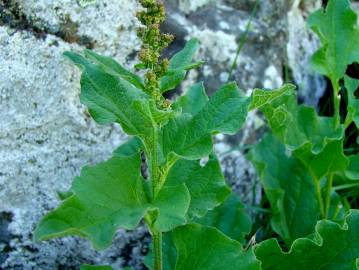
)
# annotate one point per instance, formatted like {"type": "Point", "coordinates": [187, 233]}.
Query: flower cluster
{"type": "Point", "coordinates": [153, 42]}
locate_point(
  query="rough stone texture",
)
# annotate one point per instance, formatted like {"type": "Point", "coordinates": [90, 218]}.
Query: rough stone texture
{"type": "Point", "coordinates": [46, 135]}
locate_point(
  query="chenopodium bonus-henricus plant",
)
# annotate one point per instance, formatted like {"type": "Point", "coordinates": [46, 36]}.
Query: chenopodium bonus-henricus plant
{"type": "Point", "coordinates": [173, 137]}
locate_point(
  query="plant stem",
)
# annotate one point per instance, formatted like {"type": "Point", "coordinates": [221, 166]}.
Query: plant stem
{"type": "Point", "coordinates": [336, 98]}
{"type": "Point", "coordinates": [319, 197]}
{"type": "Point", "coordinates": [242, 41]}
{"type": "Point", "coordinates": [328, 191]}
{"type": "Point", "coordinates": [157, 249]}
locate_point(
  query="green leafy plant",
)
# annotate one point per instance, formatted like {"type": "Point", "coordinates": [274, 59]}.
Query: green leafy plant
{"type": "Point", "coordinates": [157, 176]}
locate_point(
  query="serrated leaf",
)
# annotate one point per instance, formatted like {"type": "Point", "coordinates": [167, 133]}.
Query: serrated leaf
{"type": "Point", "coordinates": [111, 99]}
{"type": "Point", "coordinates": [206, 184]}
{"type": "Point", "coordinates": [189, 136]}
{"type": "Point", "coordinates": [230, 218]}
{"type": "Point", "coordinates": [178, 66]}
{"type": "Point", "coordinates": [107, 196]}
{"type": "Point", "coordinates": [289, 188]}
{"type": "Point", "coordinates": [339, 34]}
{"type": "Point", "coordinates": [353, 103]}
{"type": "Point", "coordinates": [200, 247]}
{"type": "Point", "coordinates": [297, 126]}
{"type": "Point", "coordinates": [332, 248]}
{"type": "Point", "coordinates": [95, 267]}
{"type": "Point", "coordinates": [129, 148]}
{"type": "Point", "coordinates": [114, 68]}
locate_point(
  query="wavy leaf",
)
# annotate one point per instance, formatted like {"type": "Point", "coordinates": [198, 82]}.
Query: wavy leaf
{"type": "Point", "coordinates": [230, 218]}
{"type": "Point", "coordinates": [206, 184]}
{"type": "Point", "coordinates": [109, 196]}
{"type": "Point", "coordinates": [353, 103]}
{"type": "Point", "coordinates": [337, 29]}
{"type": "Point", "coordinates": [189, 136]}
{"type": "Point", "coordinates": [289, 188]}
{"type": "Point", "coordinates": [332, 247]}
{"type": "Point", "coordinates": [200, 247]}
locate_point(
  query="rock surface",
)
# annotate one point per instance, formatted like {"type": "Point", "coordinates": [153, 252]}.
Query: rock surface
{"type": "Point", "coordinates": [46, 135]}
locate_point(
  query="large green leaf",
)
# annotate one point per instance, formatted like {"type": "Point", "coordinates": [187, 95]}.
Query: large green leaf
{"type": "Point", "coordinates": [289, 188]}
{"type": "Point", "coordinates": [105, 197]}
{"type": "Point", "coordinates": [230, 218]}
{"type": "Point", "coordinates": [200, 247]}
{"type": "Point", "coordinates": [189, 135]}
{"type": "Point", "coordinates": [353, 102]}
{"type": "Point", "coordinates": [206, 184]}
{"type": "Point", "coordinates": [111, 98]}
{"type": "Point", "coordinates": [111, 195]}
{"type": "Point", "coordinates": [179, 64]}
{"type": "Point", "coordinates": [339, 34]}
{"type": "Point", "coordinates": [331, 248]}
{"type": "Point", "coordinates": [296, 126]}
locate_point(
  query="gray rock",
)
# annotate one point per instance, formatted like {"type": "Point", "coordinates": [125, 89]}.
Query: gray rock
{"type": "Point", "coordinates": [46, 135]}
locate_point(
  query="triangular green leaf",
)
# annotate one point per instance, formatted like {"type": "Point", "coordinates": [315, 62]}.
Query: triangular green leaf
{"type": "Point", "coordinates": [178, 67]}
{"type": "Point", "coordinates": [331, 248]}
{"type": "Point", "coordinates": [230, 218]}
{"type": "Point", "coordinates": [189, 136]}
{"type": "Point", "coordinates": [206, 184]}
{"type": "Point", "coordinates": [339, 34]}
{"type": "Point", "coordinates": [289, 188]}
{"type": "Point", "coordinates": [200, 247]}
{"type": "Point", "coordinates": [107, 196]}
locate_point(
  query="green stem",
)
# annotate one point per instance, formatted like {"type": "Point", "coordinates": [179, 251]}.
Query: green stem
{"type": "Point", "coordinates": [319, 198]}
{"type": "Point", "coordinates": [157, 249]}
{"type": "Point", "coordinates": [242, 41]}
{"type": "Point", "coordinates": [328, 191]}
{"type": "Point", "coordinates": [336, 98]}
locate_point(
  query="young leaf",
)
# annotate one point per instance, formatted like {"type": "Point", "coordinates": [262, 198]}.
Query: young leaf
{"type": "Point", "coordinates": [107, 196]}
{"type": "Point", "coordinates": [200, 247]}
{"type": "Point", "coordinates": [178, 67]}
{"type": "Point", "coordinates": [206, 184]}
{"type": "Point", "coordinates": [189, 136]}
{"type": "Point", "coordinates": [339, 34]}
{"type": "Point", "coordinates": [230, 218]}
{"type": "Point", "coordinates": [353, 103]}
{"type": "Point", "coordinates": [289, 188]}
{"type": "Point", "coordinates": [332, 248]}
{"type": "Point", "coordinates": [95, 267]}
